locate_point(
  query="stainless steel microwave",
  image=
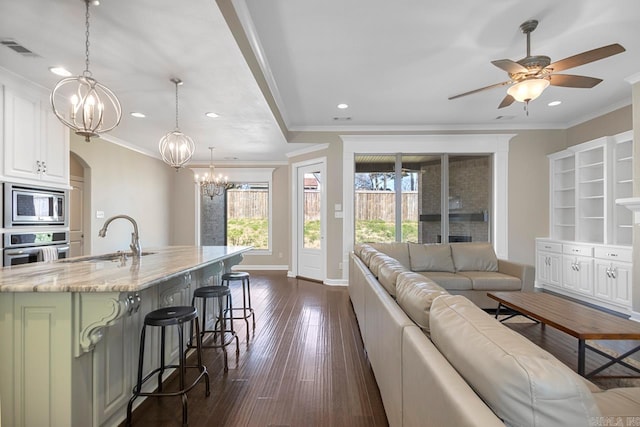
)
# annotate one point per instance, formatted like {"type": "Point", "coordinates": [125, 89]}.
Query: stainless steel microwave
{"type": "Point", "coordinates": [24, 206]}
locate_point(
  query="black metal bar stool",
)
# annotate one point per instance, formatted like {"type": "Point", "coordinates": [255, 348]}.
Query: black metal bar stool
{"type": "Point", "coordinates": [220, 327]}
{"type": "Point", "coordinates": [247, 310]}
{"type": "Point", "coordinates": [163, 317]}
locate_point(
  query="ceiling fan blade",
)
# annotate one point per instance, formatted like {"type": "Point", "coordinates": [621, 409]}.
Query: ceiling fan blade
{"type": "Point", "coordinates": [586, 57]}
{"type": "Point", "coordinates": [567, 80]}
{"type": "Point", "coordinates": [479, 90]}
{"type": "Point", "coordinates": [509, 66]}
{"type": "Point", "coordinates": [506, 101]}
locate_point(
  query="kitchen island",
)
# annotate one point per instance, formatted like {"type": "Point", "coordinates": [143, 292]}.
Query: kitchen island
{"type": "Point", "coordinates": [69, 329]}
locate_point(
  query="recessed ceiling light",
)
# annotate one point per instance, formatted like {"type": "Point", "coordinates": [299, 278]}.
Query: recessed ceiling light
{"type": "Point", "coordinates": [343, 106]}
{"type": "Point", "coordinates": [138, 115]}
{"type": "Point", "coordinates": [60, 71]}
{"type": "Point", "coordinates": [211, 114]}
{"type": "Point", "coordinates": [554, 103]}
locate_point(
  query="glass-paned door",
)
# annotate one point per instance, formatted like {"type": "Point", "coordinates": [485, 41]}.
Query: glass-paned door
{"type": "Point", "coordinates": [424, 198]}
{"type": "Point", "coordinates": [375, 198]}
{"type": "Point", "coordinates": [469, 198]}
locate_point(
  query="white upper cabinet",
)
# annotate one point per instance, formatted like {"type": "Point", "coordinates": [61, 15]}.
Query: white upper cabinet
{"type": "Point", "coordinates": [34, 142]}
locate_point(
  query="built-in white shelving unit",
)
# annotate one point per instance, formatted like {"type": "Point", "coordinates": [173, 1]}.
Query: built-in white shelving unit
{"type": "Point", "coordinates": [588, 254]}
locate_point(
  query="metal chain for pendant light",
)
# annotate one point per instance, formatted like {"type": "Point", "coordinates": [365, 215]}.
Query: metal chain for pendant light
{"type": "Point", "coordinates": [86, 43]}
{"type": "Point", "coordinates": [178, 83]}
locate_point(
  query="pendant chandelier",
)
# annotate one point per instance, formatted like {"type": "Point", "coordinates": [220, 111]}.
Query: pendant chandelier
{"type": "Point", "coordinates": [95, 109]}
{"type": "Point", "coordinates": [176, 148]}
{"type": "Point", "coordinates": [212, 185]}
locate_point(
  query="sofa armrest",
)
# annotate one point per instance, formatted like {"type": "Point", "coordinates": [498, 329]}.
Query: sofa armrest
{"type": "Point", "coordinates": [525, 272]}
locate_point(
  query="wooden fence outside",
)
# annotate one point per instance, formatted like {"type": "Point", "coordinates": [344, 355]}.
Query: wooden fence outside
{"type": "Point", "coordinates": [369, 205]}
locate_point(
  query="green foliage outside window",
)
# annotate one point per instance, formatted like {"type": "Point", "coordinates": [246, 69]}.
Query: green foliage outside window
{"type": "Point", "coordinates": [248, 232]}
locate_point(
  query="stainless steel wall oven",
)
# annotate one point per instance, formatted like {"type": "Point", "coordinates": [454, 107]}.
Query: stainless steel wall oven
{"type": "Point", "coordinates": [25, 248]}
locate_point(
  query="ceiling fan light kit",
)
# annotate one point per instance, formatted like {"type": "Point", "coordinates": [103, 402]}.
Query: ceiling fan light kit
{"type": "Point", "coordinates": [95, 109]}
{"type": "Point", "coordinates": [528, 90]}
{"type": "Point", "coordinates": [531, 75]}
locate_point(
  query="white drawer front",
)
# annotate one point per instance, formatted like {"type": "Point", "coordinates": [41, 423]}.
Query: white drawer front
{"type": "Point", "coordinates": [614, 254]}
{"type": "Point", "coordinates": [549, 247]}
{"type": "Point", "coordinates": [582, 250]}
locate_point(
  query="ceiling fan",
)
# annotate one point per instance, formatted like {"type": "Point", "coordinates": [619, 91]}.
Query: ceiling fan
{"type": "Point", "coordinates": [531, 75]}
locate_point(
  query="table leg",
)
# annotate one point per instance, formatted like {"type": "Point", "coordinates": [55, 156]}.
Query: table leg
{"type": "Point", "coordinates": [498, 310]}
{"type": "Point", "coordinates": [581, 351]}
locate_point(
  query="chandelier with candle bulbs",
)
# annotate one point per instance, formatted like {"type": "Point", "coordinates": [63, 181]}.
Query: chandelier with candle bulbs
{"type": "Point", "coordinates": [212, 185]}
{"type": "Point", "coordinates": [175, 147]}
{"type": "Point", "coordinates": [95, 109]}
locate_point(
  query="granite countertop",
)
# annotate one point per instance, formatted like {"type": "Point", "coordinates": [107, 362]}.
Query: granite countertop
{"type": "Point", "coordinates": [84, 275]}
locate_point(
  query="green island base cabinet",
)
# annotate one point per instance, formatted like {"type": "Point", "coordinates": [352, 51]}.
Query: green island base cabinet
{"type": "Point", "coordinates": [70, 331]}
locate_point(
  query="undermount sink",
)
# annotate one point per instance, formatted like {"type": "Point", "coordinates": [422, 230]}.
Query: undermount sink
{"type": "Point", "coordinates": [113, 256]}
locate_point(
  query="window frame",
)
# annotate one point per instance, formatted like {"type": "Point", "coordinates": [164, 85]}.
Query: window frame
{"type": "Point", "coordinates": [242, 175]}
{"type": "Point", "coordinates": [494, 144]}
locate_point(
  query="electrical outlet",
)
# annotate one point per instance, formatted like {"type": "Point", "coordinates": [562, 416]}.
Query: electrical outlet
{"type": "Point", "coordinates": [339, 266]}
{"type": "Point", "coordinates": [99, 214]}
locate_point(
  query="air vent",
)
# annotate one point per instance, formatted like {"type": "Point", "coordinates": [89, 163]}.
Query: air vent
{"type": "Point", "coordinates": [342, 119]}
{"type": "Point", "coordinates": [17, 47]}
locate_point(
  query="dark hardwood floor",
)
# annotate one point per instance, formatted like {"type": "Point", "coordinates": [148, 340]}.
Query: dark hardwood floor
{"type": "Point", "coordinates": [304, 366]}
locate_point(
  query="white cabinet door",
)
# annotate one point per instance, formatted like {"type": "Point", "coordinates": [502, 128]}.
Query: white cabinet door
{"type": "Point", "coordinates": [54, 150]}
{"type": "Point", "coordinates": [36, 144]}
{"type": "Point", "coordinates": [602, 281]}
{"type": "Point", "coordinates": [549, 268]}
{"type": "Point", "coordinates": [22, 134]}
{"type": "Point", "coordinates": [577, 274]}
{"type": "Point", "coordinates": [621, 283]}
{"type": "Point", "coordinates": [613, 282]}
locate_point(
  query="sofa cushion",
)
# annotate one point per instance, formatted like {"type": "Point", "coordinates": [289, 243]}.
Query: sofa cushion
{"type": "Point", "coordinates": [397, 250]}
{"type": "Point", "coordinates": [415, 294]}
{"type": "Point", "coordinates": [366, 253]}
{"type": "Point", "coordinates": [448, 280]}
{"type": "Point", "coordinates": [357, 249]}
{"type": "Point", "coordinates": [474, 257]}
{"type": "Point", "coordinates": [523, 384]}
{"type": "Point", "coordinates": [377, 260]}
{"type": "Point", "coordinates": [492, 281]}
{"type": "Point", "coordinates": [619, 402]}
{"type": "Point", "coordinates": [431, 257]}
{"type": "Point", "coordinates": [388, 275]}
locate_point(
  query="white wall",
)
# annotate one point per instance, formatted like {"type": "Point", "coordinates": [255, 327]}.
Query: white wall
{"type": "Point", "coordinates": [126, 182]}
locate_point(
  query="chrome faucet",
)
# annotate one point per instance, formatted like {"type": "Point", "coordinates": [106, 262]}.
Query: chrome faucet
{"type": "Point", "coordinates": [135, 237]}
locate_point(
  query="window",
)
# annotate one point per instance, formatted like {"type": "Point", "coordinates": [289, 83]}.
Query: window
{"type": "Point", "coordinates": [248, 215]}
{"type": "Point", "coordinates": [493, 147]}
{"type": "Point", "coordinates": [402, 198]}
{"type": "Point", "coordinates": [243, 216]}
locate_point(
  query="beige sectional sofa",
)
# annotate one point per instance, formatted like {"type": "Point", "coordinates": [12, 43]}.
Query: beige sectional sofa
{"type": "Point", "coordinates": [469, 269]}
{"type": "Point", "coordinates": [440, 360]}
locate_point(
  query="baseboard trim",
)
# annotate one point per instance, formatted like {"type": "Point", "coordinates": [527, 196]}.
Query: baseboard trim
{"type": "Point", "coordinates": [243, 267]}
{"type": "Point", "coordinates": [336, 282]}
{"type": "Point", "coordinates": [635, 316]}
